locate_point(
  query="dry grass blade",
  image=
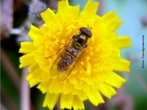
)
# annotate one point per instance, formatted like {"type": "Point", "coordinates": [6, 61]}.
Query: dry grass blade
{"type": "Point", "coordinates": [7, 101]}
{"type": "Point", "coordinates": [25, 91]}
{"type": "Point", "coordinates": [11, 71]}
{"type": "Point", "coordinates": [6, 21]}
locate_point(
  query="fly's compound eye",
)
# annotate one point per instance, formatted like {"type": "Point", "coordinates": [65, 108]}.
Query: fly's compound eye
{"type": "Point", "coordinates": [86, 31]}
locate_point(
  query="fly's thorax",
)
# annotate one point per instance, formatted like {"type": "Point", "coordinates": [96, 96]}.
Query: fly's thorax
{"type": "Point", "coordinates": [81, 38]}
{"type": "Point", "coordinates": [77, 46]}
{"type": "Point", "coordinates": [80, 41]}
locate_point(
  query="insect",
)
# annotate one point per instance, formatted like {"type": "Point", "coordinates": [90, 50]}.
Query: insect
{"type": "Point", "coordinates": [66, 60]}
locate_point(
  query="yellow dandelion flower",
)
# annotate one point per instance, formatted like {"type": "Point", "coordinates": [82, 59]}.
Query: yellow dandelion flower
{"type": "Point", "coordinates": [93, 74]}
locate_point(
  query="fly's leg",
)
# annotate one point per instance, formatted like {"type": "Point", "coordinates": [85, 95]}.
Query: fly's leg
{"type": "Point", "coordinates": [55, 53]}
{"type": "Point", "coordinates": [83, 67]}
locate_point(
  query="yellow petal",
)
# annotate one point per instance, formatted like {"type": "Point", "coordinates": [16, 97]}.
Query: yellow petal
{"type": "Point", "coordinates": [35, 77]}
{"type": "Point", "coordinates": [48, 16]}
{"type": "Point", "coordinates": [63, 9]}
{"type": "Point", "coordinates": [50, 100]}
{"type": "Point", "coordinates": [107, 90]}
{"type": "Point", "coordinates": [26, 60]}
{"type": "Point", "coordinates": [112, 24]}
{"type": "Point", "coordinates": [75, 10]}
{"type": "Point", "coordinates": [67, 88]}
{"type": "Point", "coordinates": [77, 104]}
{"type": "Point", "coordinates": [94, 97]}
{"type": "Point", "coordinates": [66, 101]}
{"type": "Point", "coordinates": [36, 35]}
{"type": "Point", "coordinates": [32, 81]}
{"type": "Point", "coordinates": [55, 86]}
{"type": "Point", "coordinates": [122, 41]}
{"type": "Point", "coordinates": [43, 86]}
{"type": "Point", "coordinates": [91, 7]}
{"type": "Point", "coordinates": [106, 17]}
{"type": "Point", "coordinates": [122, 65]}
{"type": "Point", "coordinates": [27, 47]}
{"type": "Point", "coordinates": [114, 80]}
{"type": "Point", "coordinates": [33, 66]}
{"type": "Point", "coordinates": [82, 95]}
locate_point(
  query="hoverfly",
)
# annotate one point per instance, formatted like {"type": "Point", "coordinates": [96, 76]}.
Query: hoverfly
{"type": "Point", "coordinates": [66, 60]}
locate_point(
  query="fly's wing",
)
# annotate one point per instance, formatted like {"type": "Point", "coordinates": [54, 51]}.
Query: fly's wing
{"type": "Point", "coordinates": [54, 68]}
{"type": "Point", "coordinates": [63, 75]}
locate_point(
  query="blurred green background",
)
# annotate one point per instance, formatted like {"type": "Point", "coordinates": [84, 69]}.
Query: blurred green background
{"type": "Point", "coordinates": [15, 93]}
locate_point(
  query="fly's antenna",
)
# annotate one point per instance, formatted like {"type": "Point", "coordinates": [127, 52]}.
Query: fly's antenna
{"type": "Point", "coordinates": [89, 27]}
